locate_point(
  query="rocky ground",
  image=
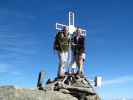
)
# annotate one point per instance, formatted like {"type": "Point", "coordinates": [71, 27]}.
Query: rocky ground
{"type": "Point", "coordinates": [11, 93]}
{"type": "Point", "coordinates": [68, 88]}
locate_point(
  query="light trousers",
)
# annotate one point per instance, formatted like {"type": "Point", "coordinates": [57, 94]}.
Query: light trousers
{"type": "Point", "coordinates": [63, 61]}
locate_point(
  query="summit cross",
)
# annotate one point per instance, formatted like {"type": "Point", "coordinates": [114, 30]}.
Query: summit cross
{"type": "Point", "coordinates": [71, 25]}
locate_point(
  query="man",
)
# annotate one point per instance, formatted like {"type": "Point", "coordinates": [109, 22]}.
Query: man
{"type": "Point", "coordinates": [61, 45]}
{"type": "Point", "coordinates": [79, 49]}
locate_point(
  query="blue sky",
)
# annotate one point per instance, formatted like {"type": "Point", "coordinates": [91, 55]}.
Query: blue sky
{"type": "Point", "coordinates": [27, 30]}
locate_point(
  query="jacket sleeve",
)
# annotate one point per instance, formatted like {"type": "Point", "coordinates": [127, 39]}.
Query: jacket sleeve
{"type": "Point", "coordinates": [57, 42]}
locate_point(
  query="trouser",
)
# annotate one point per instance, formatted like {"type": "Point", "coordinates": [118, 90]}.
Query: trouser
{"type": "Point", "coordinates": [63, 61]}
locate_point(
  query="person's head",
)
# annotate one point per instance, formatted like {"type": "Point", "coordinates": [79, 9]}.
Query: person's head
{"type": "Point", "coordinates": [78, 31]}
{"type": "Point", "coordinates": [65, 30]}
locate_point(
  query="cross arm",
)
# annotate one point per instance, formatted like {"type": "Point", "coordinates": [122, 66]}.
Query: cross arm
{"type": "Point", "coordinates": [60, 26]}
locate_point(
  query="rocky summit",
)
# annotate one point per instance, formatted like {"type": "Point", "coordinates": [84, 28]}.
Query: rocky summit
{"type": "Point", "coordinates": [11, 93]}
{"type": "Point", "coordinates": [70, 87]}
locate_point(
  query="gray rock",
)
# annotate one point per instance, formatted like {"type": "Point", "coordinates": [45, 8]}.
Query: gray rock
{"type": "Point", "coordinates": [69, 88]}
{"type": "Point", "coordinates": [78, 87]}
{"type": "Point", "coordinates": [65, 91]}
{"type": "Point", "coordinates": [7, 92]}
{"type": "Point", "coordinates": [10, 93]}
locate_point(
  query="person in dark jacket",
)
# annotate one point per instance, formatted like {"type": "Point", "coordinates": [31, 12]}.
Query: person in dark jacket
{"type": "Point", "coordinates": [79, 49]}
{"type": "Point", "coordinates": [61, 45]}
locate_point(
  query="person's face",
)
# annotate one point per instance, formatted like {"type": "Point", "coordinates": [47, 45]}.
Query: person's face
{"type": "Point", "coordinates": [78, 32]}
{"type": "Point", "coordinates": [65, 31]}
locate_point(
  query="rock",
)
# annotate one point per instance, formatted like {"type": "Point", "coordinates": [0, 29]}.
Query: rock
{"type": "Point", "coordinates": [68, 88]}
{"type": "Point", "coordinates": [94, 97]}
{"type": "Point", "coordinates": [78, 87]}
{"type": "Point", "coordinates": [7, 92]}
{"type": "Point", "coordinates": [65, 91]}
{"type": "Point", "coordinates": [11, 93]}
{"type": "Point", "coordinates": [87, 91]}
